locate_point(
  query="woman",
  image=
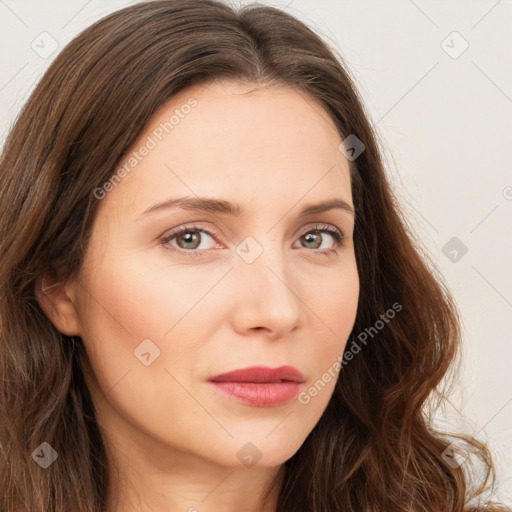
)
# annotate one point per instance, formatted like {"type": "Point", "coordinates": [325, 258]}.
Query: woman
{"type": "Point", "coordinates": [210, 300]}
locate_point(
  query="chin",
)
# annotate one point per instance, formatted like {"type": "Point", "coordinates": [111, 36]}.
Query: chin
{"type": "Point", "coordinates": [257, 452]}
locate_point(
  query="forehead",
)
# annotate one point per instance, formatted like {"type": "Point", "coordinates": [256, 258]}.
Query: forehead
{"type": "Point", "coordinates": [235, 139]}
{"type": "Point", "coordinates": [250, 115]}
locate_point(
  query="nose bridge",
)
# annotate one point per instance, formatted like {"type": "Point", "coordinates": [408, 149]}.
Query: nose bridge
{"type": "Point", "coordinates": [269, 296]}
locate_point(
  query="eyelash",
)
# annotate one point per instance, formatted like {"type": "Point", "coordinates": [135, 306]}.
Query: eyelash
{"type": "Point", "coordinates": [324, 228]}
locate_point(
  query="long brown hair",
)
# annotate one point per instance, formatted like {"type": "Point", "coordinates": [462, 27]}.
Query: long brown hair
{"type": "Point", "coordinates": [374, 448]}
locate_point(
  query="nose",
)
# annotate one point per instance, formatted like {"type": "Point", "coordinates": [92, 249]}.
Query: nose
{"type": "Point", "coordinates": [268, 296]}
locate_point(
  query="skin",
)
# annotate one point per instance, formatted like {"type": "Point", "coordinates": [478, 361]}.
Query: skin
{"type": "Point", "coordinates": [273, 150]}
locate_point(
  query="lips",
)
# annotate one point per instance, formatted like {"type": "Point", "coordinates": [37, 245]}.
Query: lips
{"type": "Point", "coordinates": [261, 374]}
{"type": "Point", "coordinates": [259, 386]}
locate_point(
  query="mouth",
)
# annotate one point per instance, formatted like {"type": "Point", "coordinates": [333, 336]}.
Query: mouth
{"type": "Point", "coordinates": [259, 386]}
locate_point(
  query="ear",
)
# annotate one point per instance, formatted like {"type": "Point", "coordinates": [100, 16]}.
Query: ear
{"type": "Point", "coordinates": [57, 299]}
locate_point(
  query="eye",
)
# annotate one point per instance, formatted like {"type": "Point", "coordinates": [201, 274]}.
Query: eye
{"type": "Point", "coordinates": [315, 236]}
{"type": "Point", "coordinates": [188, 239]}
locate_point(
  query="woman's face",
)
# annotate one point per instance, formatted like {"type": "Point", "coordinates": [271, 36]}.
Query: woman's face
{"type": "Point", "coordinates": [160, 313]}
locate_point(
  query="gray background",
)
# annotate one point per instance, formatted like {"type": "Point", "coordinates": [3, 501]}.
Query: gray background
{"type": "Point", "coordinates": [444, 119]}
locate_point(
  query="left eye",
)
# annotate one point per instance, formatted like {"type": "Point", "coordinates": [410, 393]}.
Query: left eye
{"type": "Point", "coordinates": [189, 238]}
{"type": "Point", "coordinates": [316, 236]}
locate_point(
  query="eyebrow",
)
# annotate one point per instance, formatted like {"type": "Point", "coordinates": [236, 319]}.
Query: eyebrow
{"type": "Point", "coordinates": [206, 204]}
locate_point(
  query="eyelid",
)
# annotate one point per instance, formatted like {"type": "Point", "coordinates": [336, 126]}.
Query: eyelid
{"type": "Point", "coordinates": [322, 227]}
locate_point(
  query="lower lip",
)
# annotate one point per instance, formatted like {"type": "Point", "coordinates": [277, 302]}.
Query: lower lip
{"type": "Point", "coordinates": [259, 394]}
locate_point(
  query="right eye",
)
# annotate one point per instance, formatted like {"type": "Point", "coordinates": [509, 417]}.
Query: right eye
{"type": "Point", "coordinates": [189, 237]}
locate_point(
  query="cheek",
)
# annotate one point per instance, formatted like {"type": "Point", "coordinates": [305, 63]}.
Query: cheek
{"type": "Point", "coordinates": [333, 305]}
{"type": "Point", "coordinates": [333, 313]}
{"type": "Point", "coordinates": [135, 316]}
{"type": "Point", "coordinates": [145, 294]}
{"type": "Point", "coordinates": [151, 297]}
{"type": "Point", "coordinates": [134, 301]}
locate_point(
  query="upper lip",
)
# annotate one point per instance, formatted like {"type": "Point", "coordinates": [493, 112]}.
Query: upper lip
{"type": "Point", "coordinates": [260, 374]}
